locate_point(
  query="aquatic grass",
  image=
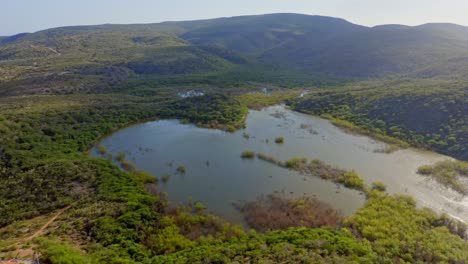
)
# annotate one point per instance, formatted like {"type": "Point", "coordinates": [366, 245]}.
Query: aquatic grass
{"type": "Point", "coordinates": [296, 163]}
{"type": "Point", "coordinates": [318, 168]}
{"type": "Point", "coordinates": [102, 149]}
{"type": "Point", "coordinates": [379, 186]}
{"type": "Point", "coordinates": [181, 169]}
{"type": "Point", "coordinates": [279, 140]}
{"type": "Point", "coordinates": [248, 155]}
{"type": "Point", "coordinates": [165, 178]}
{"type": "Point", "coordinates": [267, 158]}
{"type": "Point", "coordinates": [452, 174]}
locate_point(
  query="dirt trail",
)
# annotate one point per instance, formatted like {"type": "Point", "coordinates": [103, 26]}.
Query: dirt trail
{"type": "Point", "coordinates": [44, 227]}
{"type": "Point", "coordinates": [30, 252]}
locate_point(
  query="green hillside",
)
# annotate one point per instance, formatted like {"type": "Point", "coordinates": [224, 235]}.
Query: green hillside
{"type": "Point", "coordinates": [308, 44]}
{"type": "Point", "coordinates": [426, 113]}
{"type": "Point", "coordinates": [380, 51]}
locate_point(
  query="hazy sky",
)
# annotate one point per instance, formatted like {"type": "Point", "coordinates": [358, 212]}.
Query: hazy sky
{"type": "Point", "coordinates": [33, 15]}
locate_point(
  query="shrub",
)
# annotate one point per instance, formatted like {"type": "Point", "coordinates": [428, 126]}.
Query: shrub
{"type": "Point", "coordinates": [425, 170]}
{"type": "Point", "coordinates": [351, 179]}
{"type": "Point", "coordinates": [58, 252]}
{"type": "Point", "coordinates": [379, 186]}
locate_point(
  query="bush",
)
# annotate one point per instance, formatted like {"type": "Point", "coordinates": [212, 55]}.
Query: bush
{"type": "Point", "coordinates": [379, 186]}
{"type": "Point", "coordinates": [59, 252]}
{"type": "Point", "coordinates": [425, 170]}
{"type": "Point", "coordinates": [351, 179]}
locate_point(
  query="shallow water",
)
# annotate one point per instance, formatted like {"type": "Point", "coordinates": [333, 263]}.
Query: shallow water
{"type": "Point", "coordinates": [217, 176]}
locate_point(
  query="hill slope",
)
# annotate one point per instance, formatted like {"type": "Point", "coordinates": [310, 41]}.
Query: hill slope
{"type": "Point", "coordinates": [309, 44]}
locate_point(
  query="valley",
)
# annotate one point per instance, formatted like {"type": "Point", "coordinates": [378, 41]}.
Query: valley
{"type": "Point", "coordinates": [217, 177]}
{"type": "Point", "coordinates": [153, 131]}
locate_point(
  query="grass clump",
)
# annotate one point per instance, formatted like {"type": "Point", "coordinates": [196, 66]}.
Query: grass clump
{"type": "Point", "coordinates": [102, 149]}
{"type": "Point", "coordinates": [279, 140]}
{"type": "Point", "coordinates": [296, 163]}
{"type": "Point", "coordinates": [379, 186]}
{"type": "Point", "coordinates": [181, 169]}
{"type": "Point", "coordinates": [267, 158]}
{"type": "Point", "coordinates": [351, 179]}
{"type": "Point", "coordinates": [318, 168]}
{"type": "Point", "coordinates": [248, 154]}
{"type": "Point", "coordinates": [453, 174]}
{"type": "Point", "coordinates": [165, 178]}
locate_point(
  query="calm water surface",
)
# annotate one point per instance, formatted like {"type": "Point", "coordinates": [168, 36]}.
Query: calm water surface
{"type": "Point", "coordinates": [217, 176]}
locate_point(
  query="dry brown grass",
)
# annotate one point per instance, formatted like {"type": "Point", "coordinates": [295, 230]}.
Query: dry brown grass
{"type": "Point", "coordinates": [273, 212]}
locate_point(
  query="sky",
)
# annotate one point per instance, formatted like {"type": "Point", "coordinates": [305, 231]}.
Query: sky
{"type": "Point", "coordinates": [32, 15]}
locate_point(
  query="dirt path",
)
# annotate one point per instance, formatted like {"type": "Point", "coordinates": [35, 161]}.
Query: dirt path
{"type": "Point", "coordinates": [30, 252]}
{"type": "Point", "coordinates": [44, 227]}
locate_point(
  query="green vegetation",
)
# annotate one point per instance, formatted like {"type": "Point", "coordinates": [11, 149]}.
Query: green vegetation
{"type": "Point", "coordinates": [211, 111]}
{"type": "Point", "coordinates": [296, 163]}
{"type": "Point", "coordinates": [102, 150]}
{"type": "Point", "coordinates": [379, 186]}
{"type": "Point", "coordinates": [351, 179]}
{"type": "Point", "coordinates": [181, 169]}
{"type": "Point", "coordinates": [267, 158]}
{"type": "Point", "coordinates": [165, 178]}
{"type": "Point", "coordinates": [318, 168]}
{"type": "Point", "coordinates": [248, 154]}
{"type": "Point", "coordinates": [449, 173]}
{"type": "Point", "coordinates": [425, 113]}
{"type": "Point", "coordinates": [294, 245]}
{"type": "Point", "coordinates": [258, 100]}
{"type": "Point", "coordinates": [394, 143]}
{"type": "Point", "coordinates": [114, 217]}
{"type": "Point", "coordinates": [62, 89]}
{"type": "Point", "coordinates": [279, 140]}
{"type": "Point", "coordinates": [44, 166]}
{"type": "Point", "coordinates": [400, 233]}
{"type": "Point", "coordinates": [58, 252]}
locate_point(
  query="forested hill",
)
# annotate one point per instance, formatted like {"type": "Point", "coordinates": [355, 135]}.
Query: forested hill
{"type": "Point", "coordinates": [312, 45]}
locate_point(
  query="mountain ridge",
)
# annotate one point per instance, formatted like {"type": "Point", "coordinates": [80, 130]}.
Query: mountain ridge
{"type": "Point", "coordinates": [305, 44]}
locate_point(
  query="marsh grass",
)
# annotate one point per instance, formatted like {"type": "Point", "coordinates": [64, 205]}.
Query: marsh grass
{"type": "Point", "coordinates": [318, 168]}
{"type": "Point", "coordinates": [102, 149]}
{"type": "Point", "coordinates": [453, 174]}
{"type": "Point", "coordinates": [279, 140]}
{"type": "Point", "coordinates": [276, 211]}
{"type": "Point", "coordinates": [248, 155]}
{"type": "Point", "coordinates": [181, 169]}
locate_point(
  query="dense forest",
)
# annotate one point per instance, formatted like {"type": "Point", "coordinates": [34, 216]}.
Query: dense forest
{"type": "Point", "coordinates": [63, 89]}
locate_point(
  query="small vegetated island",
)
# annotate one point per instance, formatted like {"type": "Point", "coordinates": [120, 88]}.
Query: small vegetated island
{"type": "Point", "coordinates": [63, 89]}
{"type": "Point", "coordinates": [453, 174]}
